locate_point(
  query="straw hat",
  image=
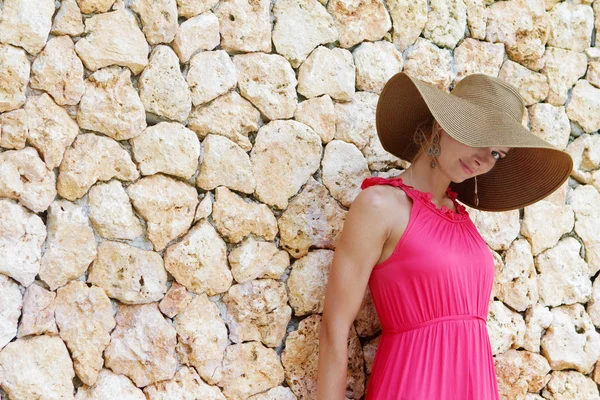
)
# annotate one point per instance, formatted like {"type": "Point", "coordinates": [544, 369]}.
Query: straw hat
{"type": "Point", "coordinates": [481, 111]}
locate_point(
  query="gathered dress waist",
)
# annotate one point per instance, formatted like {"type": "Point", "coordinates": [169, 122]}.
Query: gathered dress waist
{"type": "Point", "coordinates": [432, 321]}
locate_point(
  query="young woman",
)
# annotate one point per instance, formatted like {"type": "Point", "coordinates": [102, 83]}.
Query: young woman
{"type": "Point", "coordinates": [429, 271]}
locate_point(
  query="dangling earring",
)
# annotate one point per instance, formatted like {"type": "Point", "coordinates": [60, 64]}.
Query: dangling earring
{"type": "Point", "coordinates": [476, 197]}
{"type": "Point", "coordinates": [434, 148]}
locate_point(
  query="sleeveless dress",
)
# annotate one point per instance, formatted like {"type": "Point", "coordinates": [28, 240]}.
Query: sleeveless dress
{"type": "Point", "coordinates": [432, 297]}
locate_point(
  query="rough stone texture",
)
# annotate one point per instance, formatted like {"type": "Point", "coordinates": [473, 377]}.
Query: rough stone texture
{"type": "Point", "coordinates": [570, 385]}
{"type": "Point", "coordinates": [250, 368]}
{"type": "Point", "coordinates": [583, 199]}
{"type": "Point", "coordinates": [235, 218]}
{"type": "Point", "coordinates": [585, 101]}
{"type": "Point", "coordinates": [159, 19]}
{"type": "Point", "coordinates": [197, 33]}
{"type": "Point", "coordinates": [585, 152]}
{"type": "Point", "coordinates": [85, 318]}
{"type": "Point", "coordinates": [95, 6]}
{"type": "Point", "coordinates": [557, 283]}
{"type": "Point", "coordinates": [191, 8]}
{"type": "Point", "coordinates": [498, 229]}
{"type": "Point", "coordinates": [204, 209]}
{"type": "Point", "coordinates": [312, 219]}
{"type": "Point", "coordinates": [544, 232]}
{"type": "Point", "coordinates": [211, 74]}
{"type": "Point", "coordinates": [284, 155]}
{"type": "Point", "coordinates": [257, 310]}
{"type": "Point", "coordinates": [185, 385]}
{"type": "Point", "coordinates": [202, 338]}
{"type": "Point", "coordinates": [537, 319]}
{"type": "Point", "coordinates": [523, 27]}
{"type": "Point", "coordinates": [344, 169]}
{"type": "Point", "coordinates": [327, 71]}
{"type": "Point", "coordinates": [167, 147]}
{"type": "Point", "coordinates": [369, 351]}
{"type": "Point", "coordinates": [245, 26]}
{"type": "Point", "coordinates": [199, 261]}
{"type": "Point", "coordinates": [175, 301]}
{"type": "Point", "coordinates": [49, 371]}
{"type": "Point", "coordinates": [319, 114]}
{"type": "Point", "coordinates": [520, 372]}
{"type": "Point", "coordinates": [253, 259]}
{"type": "Point", "coordinates": [111, 212]}
{"type": "Point", "coordinates": [550, 123]}
{"type": "Point", "coordinates": [58, 71]}
{"type": "Point", "coordinates": [113, 38]}
{"type": "Point", "coordinates": [379, 159]}
{"type": "Point", "coordinates": [506, 328]}
{"type": "Point", "coordinates": [409, 18]}
{"type": "Point", "coordinates": [68, 19]}
{"type": "Point", "coordinates": [142, 346]}
{"type": "Point", "coordinates": [515, 281]}
{"type": "Point", "coordinates": [300, 26]}
{"type": "Point", "coordinates": [167, 205]}
{"type": "Point", "coordinates": [224, 163]}
{"type": "Point", "coordinates": [163, 90]}
{"type": "Point", "coordinates": [355, 120]}
{"type": "Point", "coordinates": [129, 274]}
{"type": "Point", "coordinates": [562, 68]}
{"type": "Point", "coordinates": [571, 26]}
{"type": "Point", "coordinates": [446, 22]}
{"type": "Point", "coordinates": [50, 128]}
{"type": "Point", "coordinates": [110, 386]}
{"type": "Point", "coordinates": [26, 23]}
{"type": "Point", "coordinates": [269, 82]}
{"type": "Point", "coordinates": [68, 229]}
{"type": "Point", "coordinates": [22, 234]}
{"type": "Point", "coordinates": [307, 282]}
{"type": "Point", "coordinates": [361, 20]}
{"type": "Point", "coordinates": [367, 321]}
{"type": "Point", "coordinates": [13, 129]}
{"type": "Point", "coordinates": [14, 76]}
{"type": "Point", "coordinates": [276, 393]}
{"type": "Point", "coordinates": [375, 64]}
{"type": "Point", "coordinates": [429, 63]}
{"type": "Point", "coordinates": [111, 105]}
{"type": "Point", "coordinates": [38, 312]}
{"type": "Point", "coordinates": [25, 177]}
{"type": "Point", "coordinates": [475, 57]}
{"type": "Point", "coordinates": [571, 341]}
{"type": "Point", "coordinates": [476, 18]}
{"type": "Point", "coordinates": [11, 303]}
{"type": "Point", "coordinates": [300, 359]}
{"type": "Point", "coordinates": [532, 86]}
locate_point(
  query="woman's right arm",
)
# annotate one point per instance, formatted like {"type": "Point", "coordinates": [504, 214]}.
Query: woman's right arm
{"type": "Point", "coordinates": [358, 249]}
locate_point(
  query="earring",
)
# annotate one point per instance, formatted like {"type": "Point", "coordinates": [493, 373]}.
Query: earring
{"type": "Point", "coordinates": [434, 149]}
{"type": "Point", "coordinates": [476, 197]}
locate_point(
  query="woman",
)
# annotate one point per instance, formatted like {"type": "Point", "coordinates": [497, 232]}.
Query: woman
{"type": "Point", "coordinates": [429, 271]}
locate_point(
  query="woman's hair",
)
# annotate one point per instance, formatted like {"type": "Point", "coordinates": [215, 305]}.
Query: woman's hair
{"type": "Point", "coordinates": [424, 131]}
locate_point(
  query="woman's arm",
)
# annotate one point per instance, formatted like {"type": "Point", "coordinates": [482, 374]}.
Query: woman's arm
{"type": "Point", "coordinates": [359, 246]}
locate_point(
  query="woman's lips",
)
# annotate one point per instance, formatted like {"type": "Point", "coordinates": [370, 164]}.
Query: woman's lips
{"type": "Point", "coordinates": [465, 167]}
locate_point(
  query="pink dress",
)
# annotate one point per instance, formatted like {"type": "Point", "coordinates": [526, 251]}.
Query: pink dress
{"type": "Point", "coordinates": [432, 296]}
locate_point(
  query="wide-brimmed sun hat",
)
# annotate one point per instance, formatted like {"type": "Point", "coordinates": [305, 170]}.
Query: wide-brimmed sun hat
{"type": "Point", "coordinates": [480, 111]}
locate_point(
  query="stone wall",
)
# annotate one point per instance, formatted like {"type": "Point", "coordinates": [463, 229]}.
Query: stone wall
{"type": "Point", "coordinates": [174, 175]}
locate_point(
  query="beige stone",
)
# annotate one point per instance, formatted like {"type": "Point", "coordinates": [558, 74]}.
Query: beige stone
{"type": "Point", "coordinates": [369, 351]}
{"type": "Point", "coordinates": [506, 328]}
{"type": "Point", "coordinates": [85, 318]}
{"type": "Point", "coordinates": [367, 321]}
{"type": "Point", "coordinates": [38, 312]}
{"type": "Point", "coordinates": [26, 23]}
{"type": "Point", "coordinates": [111, 105]}
{"type": "Point", "coordinates": [571, 26]}
{"type": "Point", "coordinates": [515, 280]}
{"type": "Point", "coordinates": [185, 385]}
{"type": "Point", "coordinates": [355, 120]}
{"type": "Point", "coordinates": [11, 303]}
{"type": "Point", "coordinates": [498, 229]}
{"type": "Point", "coordinates": [50, 128]}
{"type": "Point", "coordinates": [245, 26]}
{"type": "Point", "coordinates": [269, 82]}
{"type": "Point", "coordinates": [476, 18]}
{"type": "Point", "coordinates": [204, 208]}
{"type": "Point", "coordinates": [360, 20]}
{"type": "Point", "coordinates": [167, 147]}
{"type": "Point", "coordinates": [35, 368]}
{"type": "Point", "coordinates": [197, 33]}
{"type": "Point", "coordinates": [375, 64]}
{"type": "Point", "coordinates": [429, 63]}
{"type": "Point", "coordinates": [327, 71]}
{"type": "Point", "coordinates": [199, 261]}
{"type": "Point", "coordinates": [532, 86]}
{"type": "Point", "coordinates": [409, 18]}
{"type": "Point", "coordinates": [307, 282]}
{"type": "Point", "coordinates": [224, 163]}
{"type": "Point", "coordinates": [68, 19]}
{"type": "Point", "coordinates": [230, 116]}
{"type": "Point", "coordinates": [250, 368]}
{"type": "Point", "coordinates": [593, 306]}
{"type": "Point", "coordinates": [319, 114]}
{"type": "Point", "coordinates": [175, 301]}
{"type": "Point", "coordinates": [253, 259]}
{"type": "Point", "coordinates": [142, 346]}
{"type": "Point", "coordinates": [520, 372]}
{"type": "Point", "coordinates": [110, 386]}
{"type": "Point", "coordinates": [300, 26]}
{"type": "Point", "coordinates": [191, 8]}
{"type": "Point", "coordinates": [25, 177]}
{"type": "Point", "coordinates": [446, 22]}
{"type": "Point", "coordinates": [276, 393]}
{"type": "Point", "coordinates": [284, 155]}
{"type": "Point", "coordinates": [562, 68]}
{"type": "Point", "coordinates": [570, 385]}
{"type": "Point", "coordinates": [167, 205]}
{"type": "Point", "coordinates": [111, 213]}
{"type": "Point", "coordinates": [380, 159]}
{"type": "Point", "coordinates": [113, 38]}
{"type": "Point", "coordinates": [202, 338]}
{"type": "Point", "coordinates": [312, 219]}
{"type": "Point", "coordinates": [583, 106]}
{"type": "Point", "coordinates": [344, 169]}
{"type": "Point", "coordinates": [129, 274]}
{"type": "Point", "coordinates": [95, 6]}
{"type": "Point", "coordinates": [159, 19]}
{"type": "Point", "coordinates": [584, 200]}
{"type": "Point", "coordinates": [13, 129]}
{"type": "Point", "coordinates": [544, 232]}
{"type": "Point", "coordinates": [14, 76]}
{"type": "Point", "coordinates": [476, 57]}
{"type": "Point", "coordinates": [58, 71]}
{"type": "Point", "coordinates": [22, 234]}
{"type": "Point", "coordinates": [211, 74]}
{"type": "Point", "coordinates": [550, 123]}
{"type": "Point", "coordinates": [163, 90]}
{"type": "Point", "coordinates": [537, 319]}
